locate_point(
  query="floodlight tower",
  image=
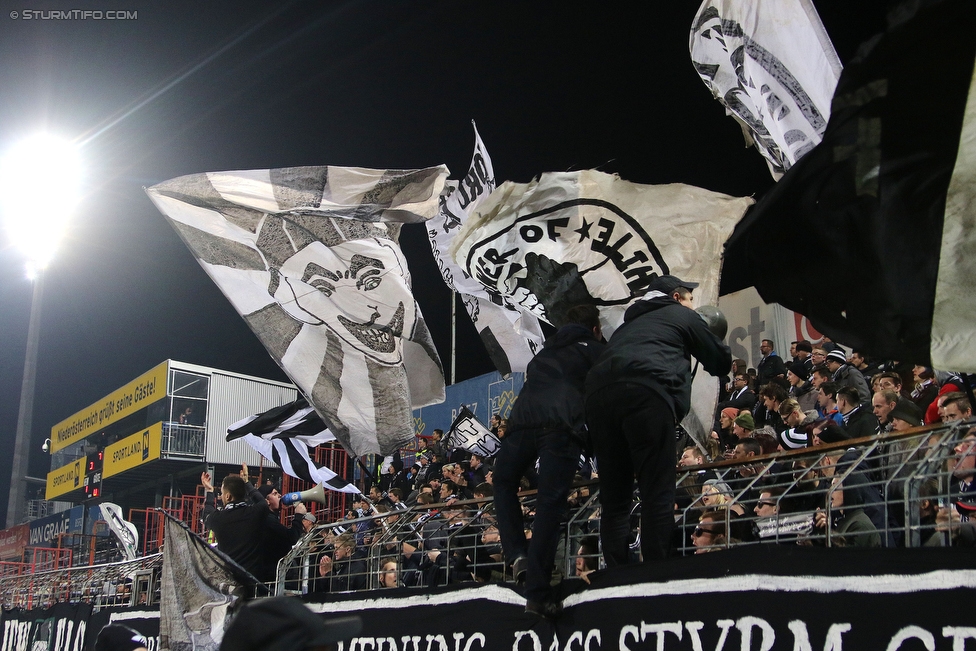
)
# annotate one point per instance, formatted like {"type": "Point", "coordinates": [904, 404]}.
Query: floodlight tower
{"type": "Point", "coordinates": [40, 182]}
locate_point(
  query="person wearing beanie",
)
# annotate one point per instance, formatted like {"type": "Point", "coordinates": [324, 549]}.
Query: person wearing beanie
{"type": "Point", "coordinates": [905, 416]}
{"type": "Point", "coordinates": [846, 375]}
{"type": "Point", "coordinates": [116, 637]}
{"type": "Point", "coordinates": [804, 354]}
{"type": "Point", "coordinates": [801, 389]}
{"type": "Point", "coordinates": [743, 425]}
{"type": "Point", "coordinates": [279, 539]}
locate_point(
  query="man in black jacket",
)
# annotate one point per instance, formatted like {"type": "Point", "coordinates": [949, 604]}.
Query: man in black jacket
{"type": "Point", "coordinates": [771, 365]}
{"type": "Point", "coordinates": [547, 423]}
{"type": "Point", "coordinates": [240, 526]}
{"type": "Point", "coordinates": [636, 393]}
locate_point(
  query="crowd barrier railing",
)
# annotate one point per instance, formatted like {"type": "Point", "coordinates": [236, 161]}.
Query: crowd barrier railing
{"type": "Point", "coordinates": [899, 488]}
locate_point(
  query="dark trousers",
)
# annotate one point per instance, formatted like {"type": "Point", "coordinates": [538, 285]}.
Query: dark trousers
{"type": "Point", "coordinates": [558, 454]}
{"type": "Point", "coordinates": [632, 429]}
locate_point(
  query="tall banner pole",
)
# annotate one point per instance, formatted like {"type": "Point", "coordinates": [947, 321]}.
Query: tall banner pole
{"type": "Point", "coordinates": [453, 335]}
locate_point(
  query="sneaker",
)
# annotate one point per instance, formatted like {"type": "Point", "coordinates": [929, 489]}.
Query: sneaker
{"type": "Point", "coordinates": [544, 609]}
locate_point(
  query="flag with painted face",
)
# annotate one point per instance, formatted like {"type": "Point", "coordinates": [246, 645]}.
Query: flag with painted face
{"type": "Point", "coordinates": [309, 258]}
{"type": "Point", "coordinates": [572, 238]}
{"type": "Point", "coordinates": [511, 337]}
{"type": "Point", "coordinates": [773, 67]}
{"type": "Point", "coordinates": [288, 435]}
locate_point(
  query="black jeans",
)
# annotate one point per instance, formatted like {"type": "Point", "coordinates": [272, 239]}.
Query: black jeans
{"type": "Point", "coordinates": [632, 429]}
{"type": "Point", "coordinates": [558, 455]}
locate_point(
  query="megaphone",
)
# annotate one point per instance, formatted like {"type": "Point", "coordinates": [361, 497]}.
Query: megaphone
{"type": "Point", "coordinates": [714, 319]}
{"type": "Point", "coordinates": [316, 494]}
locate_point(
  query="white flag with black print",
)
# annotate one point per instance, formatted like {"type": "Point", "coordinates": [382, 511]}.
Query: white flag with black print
{"type": "Point", "coordinates": [309, 257]}
{"type": "Point", "coordinates": [287, 435]}
{"type": "Point", "coordinates": [587, 237]}
{"type": "Point", "coordinates": [773, 67]}
{"type": "Point", "coordinates": [510, 336]}
{"type": "Point", "coordinates": [469, 434]}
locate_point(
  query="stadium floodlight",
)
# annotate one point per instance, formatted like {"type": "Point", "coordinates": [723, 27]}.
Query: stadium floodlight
{"type": "Point", "coordinates": [40, 185]}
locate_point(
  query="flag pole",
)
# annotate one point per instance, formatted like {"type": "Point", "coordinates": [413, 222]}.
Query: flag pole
{"type": "Point", "coordinates": [453, 334]}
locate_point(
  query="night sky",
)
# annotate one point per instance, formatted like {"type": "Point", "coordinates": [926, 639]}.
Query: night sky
{"type": "Point", "coordinates": [552, 86]}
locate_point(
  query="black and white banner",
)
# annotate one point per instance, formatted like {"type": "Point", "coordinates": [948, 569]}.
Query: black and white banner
{"type": "Point", "coordinates": [588, 237]}
{"type": "Point", "coordinates": [511, 337]}
{"type": "Point", "coordinates": [287, 435]}
{"type": "Point", "coordinates": [309, 257]}
{"type": "Point", "coordinates": [71, 627]}
{"type": "Point", "coordinates": [199, 587]}
{"type": "Point", "coordinates": [771, 599]}
{"type": "Point", "coordinates": [469, 434]}
{"type": "Point", "coordinates": [773, 67]}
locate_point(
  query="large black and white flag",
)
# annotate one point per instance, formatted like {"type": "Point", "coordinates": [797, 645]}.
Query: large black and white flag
{"type": "Point", "coordinates": [888, 196]}
{"type": "Point", "coordinates": [469, 434]}
{"type": "Point", "coordinates": [773, 67]}
{"type": "Point", "coordinates": [309, 257]}
{"type": "Point", "coordinates": [511, 337]}
{"type": "Point", "coordinates": [587, 237]}
{"type": "Point", "coordinates": [288, 435]}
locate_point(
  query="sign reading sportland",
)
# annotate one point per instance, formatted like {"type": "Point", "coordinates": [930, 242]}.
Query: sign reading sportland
{"type": "Point", "coordinates": [65, 479]}
{"type": "Point", "coordinates": [133, 451]}
{"type": "Point", "coordinates": [142, 391]}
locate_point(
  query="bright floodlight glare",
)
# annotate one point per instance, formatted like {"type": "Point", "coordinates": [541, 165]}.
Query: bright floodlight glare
{"type": "Point", "coordinates": [40, 184]}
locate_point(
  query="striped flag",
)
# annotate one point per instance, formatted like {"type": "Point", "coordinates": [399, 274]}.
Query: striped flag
{"type": "Point", "coordinates": [284, 435]}
{"type": "Point", "coordinates": [308, 256]}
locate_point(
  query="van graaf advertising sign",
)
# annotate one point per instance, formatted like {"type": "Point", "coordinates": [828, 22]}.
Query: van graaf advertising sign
{"type": "Point", "coordinates": [45, 532]}
{"type": "Point", "coordinates": [142, 391]}
{"type": "Point", "coordinates": [65, 479]}
{"type": "Point", "coordinates": [133, 451]}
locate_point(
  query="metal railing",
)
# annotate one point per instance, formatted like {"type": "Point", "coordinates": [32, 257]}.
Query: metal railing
{"type": "Point", "coordinates": [183, 441]}
{"type": "Point", "coordinates": [894, 490]}
{"type": "Point", "coordinates": [126, 583]}
{"type": "Point", "coordinates": [899, 488]}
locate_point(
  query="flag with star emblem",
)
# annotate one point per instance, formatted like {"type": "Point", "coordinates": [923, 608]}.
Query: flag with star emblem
{"type": "Point", "coordinates": [510, 337]}
{"type": "Point", "coordinates": [773, 67]}
{"type": "Point", "coordinates": [309, 258]}
{"type": "Point", "coordinates": [588, 237]}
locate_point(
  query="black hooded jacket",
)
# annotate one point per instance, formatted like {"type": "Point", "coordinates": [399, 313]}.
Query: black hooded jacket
{"type": "Point", "coordinates": [654, 346]}
{"type": "Point", "coordinates": [552, 396]}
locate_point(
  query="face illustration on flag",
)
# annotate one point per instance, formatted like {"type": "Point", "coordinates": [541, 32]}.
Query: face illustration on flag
{"type": "Point", "coordinates": [773, 67]}
{"type": "Point", "coordinates": [321, 281]}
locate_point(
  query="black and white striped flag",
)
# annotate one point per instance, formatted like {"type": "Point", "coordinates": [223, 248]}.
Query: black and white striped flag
{"type": "Point", "coordinates": [308, 256]}
{"type": "Point", "coordinates": [284, 435]}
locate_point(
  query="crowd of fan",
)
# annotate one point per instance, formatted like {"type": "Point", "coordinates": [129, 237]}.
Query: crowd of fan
{"type": "Point", "coordinates": [430, 521]}
{"type": "Point", "coordinates": [821, 396]}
